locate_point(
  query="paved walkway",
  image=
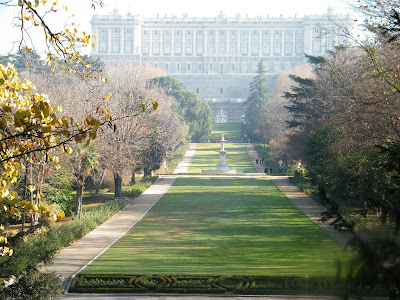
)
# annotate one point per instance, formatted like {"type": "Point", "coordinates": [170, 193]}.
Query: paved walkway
{"type": "Point", "coordinates": [253, 156]}
{"type": "Point", "coordinates": [73, 258]}
{"type": "Point", "coordinates": [309, 207]}
{"type": "Point", "coordinates": [186, 161]}
{"type": "Point", "coordinates": [306, 204]}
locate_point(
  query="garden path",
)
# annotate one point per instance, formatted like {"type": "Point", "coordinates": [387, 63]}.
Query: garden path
{"type": "Point", "coordinates": [186, 161]}
{"type": "Point", "coordinates": [309, 207]}
{"type": "Point", "coordinates": [70, 260]}
{"type": "Point", "coordinates": [253, 156]}
{"type": "Point", "coordinates": [306, 204]}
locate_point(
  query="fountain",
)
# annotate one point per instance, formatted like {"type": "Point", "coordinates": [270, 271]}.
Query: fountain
{"type": "Point", "coordinates": [222, 167]}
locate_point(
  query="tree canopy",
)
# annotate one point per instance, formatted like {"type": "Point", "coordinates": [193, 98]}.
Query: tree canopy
{"type": "Point", "coordinates": [197, 114]}
{"type": "Point", "coordinates": [256, 104]}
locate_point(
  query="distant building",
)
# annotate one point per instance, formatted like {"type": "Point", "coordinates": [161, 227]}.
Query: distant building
{"type": "Point", "coordinates": [216, 57]}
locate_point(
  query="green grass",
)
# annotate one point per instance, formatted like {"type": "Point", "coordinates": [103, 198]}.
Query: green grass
{"type": "Point", "coordinates": [233, 226]}
{"type": "Point", "coordinates": [230, 131]}
{"type": "Point", "coordinates": [206, 156]}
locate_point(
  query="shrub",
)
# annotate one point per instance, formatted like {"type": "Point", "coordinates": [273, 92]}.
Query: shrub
{"type": "Point", "coordinates": [64, 199]}
{"type": "Point", "coordinates": [204, 284]}
{"type": "Point", "coordinates": [39, 247]}
{"type": "Point", "coordinates": [33, 285]}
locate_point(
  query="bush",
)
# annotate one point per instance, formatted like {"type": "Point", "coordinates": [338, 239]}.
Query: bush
{"type": "Point", "coordinates": [33, 285]}
{"type": "Point", "coordinates": [39, 247]}
{"type": "Point", "coordinates": [64, 199]}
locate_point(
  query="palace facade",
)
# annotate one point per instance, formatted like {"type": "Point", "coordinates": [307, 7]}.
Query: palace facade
{"type": "Point", "coordinates": [216, 57]}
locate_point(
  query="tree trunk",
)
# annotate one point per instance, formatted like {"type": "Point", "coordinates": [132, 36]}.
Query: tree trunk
{"type": "Point", "coordinates": [39, 189]}
{"type": "Point", "coordinates": [133, 178]}
{"type": "Point", "coordinates": [25, 197]}
{"type": "Point", "coordinates": [147, 172]}
{"type": "Point", "coordinates": [30, 182]}
{"type": "Point", "coordinates": [78, 198]}
{"type": "Point", "coordinates": [100, 182]}
{"type": "Point", "coordinates": [117, 185]}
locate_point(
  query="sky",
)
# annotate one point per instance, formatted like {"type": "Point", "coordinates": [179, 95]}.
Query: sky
{"type": "Point", "coordinates": [150, 8]}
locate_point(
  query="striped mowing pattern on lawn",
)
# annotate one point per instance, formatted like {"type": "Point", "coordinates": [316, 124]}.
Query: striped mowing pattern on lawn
{"type": "Point", "coordinates": [230, 131]}
{"type": "Point", "coordinates": [206, 156]}
{"type": "Point", "coordinates": [235, 226]}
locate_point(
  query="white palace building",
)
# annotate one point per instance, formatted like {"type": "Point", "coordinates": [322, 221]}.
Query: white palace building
{"type": "Point", "coordinates": [217, 57]}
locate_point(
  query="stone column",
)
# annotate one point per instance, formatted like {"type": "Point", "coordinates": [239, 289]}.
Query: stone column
{"type": "Point", "coordinates": [96, 42]}
{"type": "Point", "coordinates": [184, 44]}
{"type": "Point", "coordinates": [173, 42]}
{"type": "Point", "coordinates": [271, 42]}
{"type": "Point", "coordinates": [248, 44]}
{"type": "Point", "coordinates": [205, 42]}
{"type": "Point", "coordinates": [227, 43]}
{"type": "Point", "coordinates": [293, 42]}
{"type": "Point", "coordinates": [194, 34]}
{"type": "Point", "coordinates": [238, 42]}
{"type": "Point", "coordinates": [109, 35]}
{"type": "Point", "coordinates": [216, 35]}
{"type": "Point", "coordinates": [161, 43]}
{"type": "Point", "coordinates": [150, 41]}
{"type": "Point", "coordinates": [122, 40]}
{"type": "Point", "coordinates": [308, 39]}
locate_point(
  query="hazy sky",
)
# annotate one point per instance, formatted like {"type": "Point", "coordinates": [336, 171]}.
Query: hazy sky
{"type": "Point", "coordinates": [150, 8]}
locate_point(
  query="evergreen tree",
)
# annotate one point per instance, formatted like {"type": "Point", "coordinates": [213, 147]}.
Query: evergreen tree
{"type": "Point", "coordinates": [197, 114]}
{"type": "Point", "coordinates": [259, 95]}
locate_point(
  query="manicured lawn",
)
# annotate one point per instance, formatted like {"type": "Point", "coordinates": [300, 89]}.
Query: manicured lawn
{"type": "Point", "coordinates": [223, 226]}
{"type": "Point", "coordinates": [230, 131]}
{"type": "Point", "coordinates": [206, 156]}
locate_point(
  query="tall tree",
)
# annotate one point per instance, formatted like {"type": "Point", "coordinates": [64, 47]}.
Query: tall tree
{"type": "Point", "coordinates": [197, 114]}
{"type": "Point", "coordinates": [256, 103]}
{"type": "Point", "coordinates": [83, 161]}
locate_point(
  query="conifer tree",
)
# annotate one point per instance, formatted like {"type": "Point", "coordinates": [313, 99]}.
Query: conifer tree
{"type": "Point", "coordinates": [259, 95]}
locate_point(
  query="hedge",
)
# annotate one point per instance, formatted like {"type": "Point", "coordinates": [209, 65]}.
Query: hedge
{"type": "Point", "coordinates": [202, 284]}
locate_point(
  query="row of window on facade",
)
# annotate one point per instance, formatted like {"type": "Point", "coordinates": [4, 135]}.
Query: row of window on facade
{"type": "Point", "coordinates": [243, 49]}
{"type": "Point", "coordinates": [222, 32]}
{"type": "Point", "coordinates": [200, 33]}
{"type": "Point", "coordinates": [222, 48]}
{"type": "Point", "coordinates": [221, 68]}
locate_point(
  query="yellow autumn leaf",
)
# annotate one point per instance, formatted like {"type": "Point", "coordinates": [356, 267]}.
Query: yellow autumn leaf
{"type": "Point", "coordinates": [155, 105]}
